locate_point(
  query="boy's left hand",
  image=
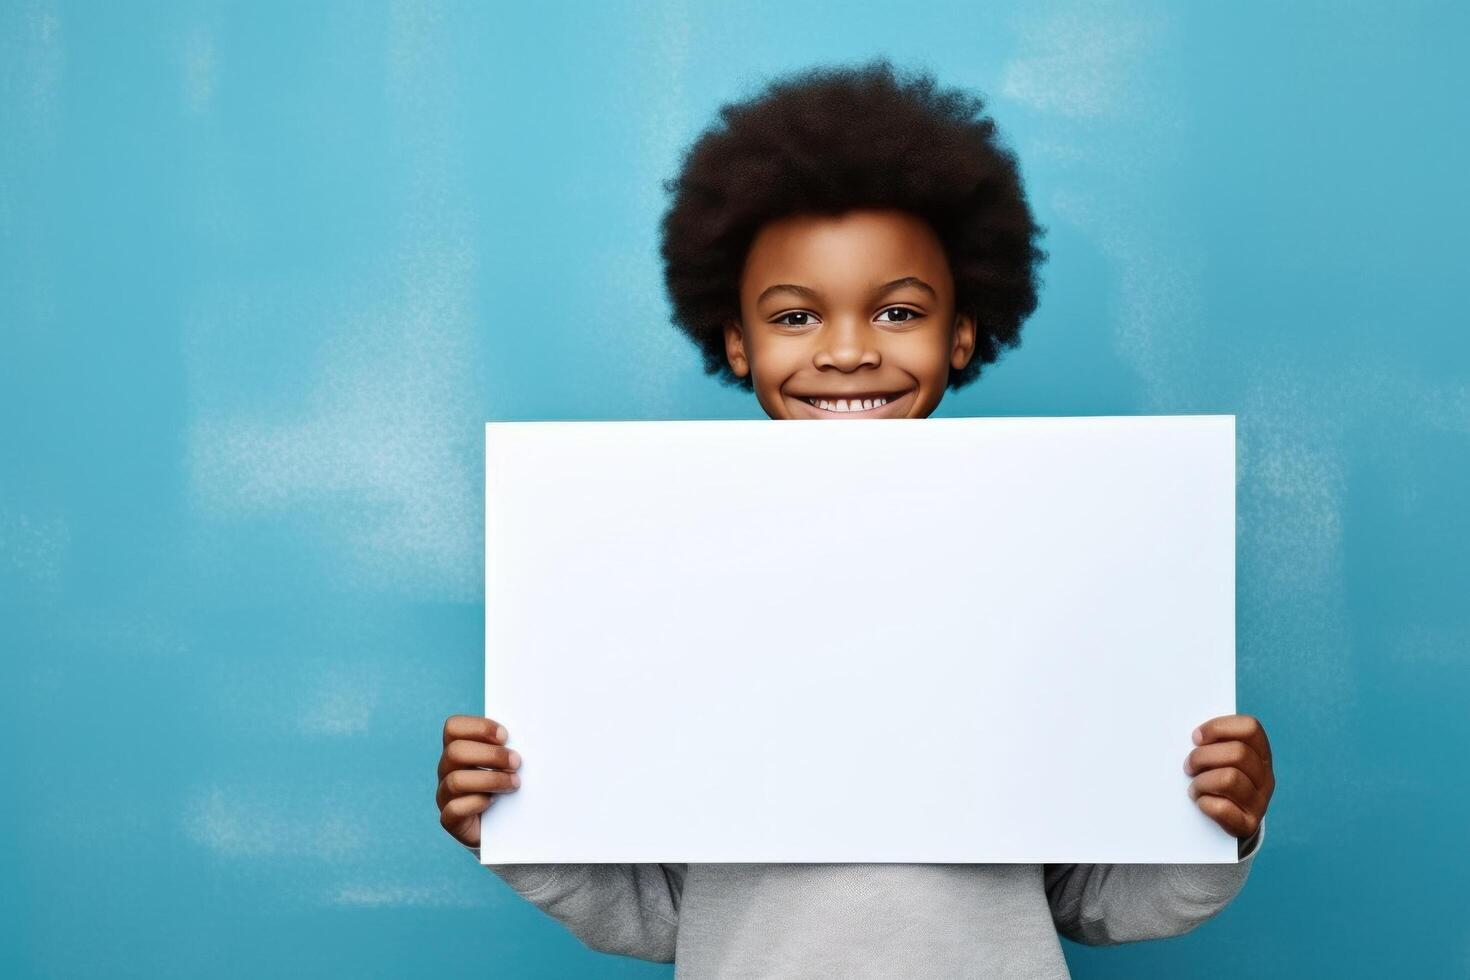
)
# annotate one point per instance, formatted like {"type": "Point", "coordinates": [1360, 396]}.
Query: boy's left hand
{"type": "Point", "coordinates": [1233, 779]}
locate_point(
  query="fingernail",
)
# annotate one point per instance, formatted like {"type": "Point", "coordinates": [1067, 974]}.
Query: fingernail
{"type": "Point", "coordinates": [515, 780]}
{"type": "Point", "coordinates": [1198, 736]}
{"type": "Point", "coordinates": [500, 733]}
{"type": "Point", "coordinates": [515, 759]}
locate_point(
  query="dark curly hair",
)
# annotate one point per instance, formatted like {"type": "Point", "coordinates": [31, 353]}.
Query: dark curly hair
{"type": "Point", "coordinates": [830, 139]}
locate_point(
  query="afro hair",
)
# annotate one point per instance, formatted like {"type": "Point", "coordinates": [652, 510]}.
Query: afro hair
{"type": "Point", "coordinates": [830, 139]}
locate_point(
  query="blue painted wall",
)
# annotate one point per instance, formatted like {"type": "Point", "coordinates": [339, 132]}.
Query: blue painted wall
{"type": "Point", "coordinates": [266, 269]}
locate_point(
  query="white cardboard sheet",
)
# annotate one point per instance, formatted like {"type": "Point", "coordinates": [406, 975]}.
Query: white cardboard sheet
{"type": "Point", "coordinates": [935, 641]}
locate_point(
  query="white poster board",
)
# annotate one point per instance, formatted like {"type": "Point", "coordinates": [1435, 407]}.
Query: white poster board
{"type": "Point", "coordinates": [937, 640]}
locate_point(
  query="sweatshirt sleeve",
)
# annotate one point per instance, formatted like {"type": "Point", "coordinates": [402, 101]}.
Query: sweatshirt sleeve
{"type": "Point", "coordinates": [627, 909]}
{"type": "Point", "coordinates": [1103, 904]}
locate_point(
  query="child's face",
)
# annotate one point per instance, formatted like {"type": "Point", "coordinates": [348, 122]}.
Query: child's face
{"type": "Point", "coordinates": [842, 312]}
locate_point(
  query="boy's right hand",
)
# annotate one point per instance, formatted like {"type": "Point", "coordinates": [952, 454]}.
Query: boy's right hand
{"type": "Point", "coordinates": [465, 789]}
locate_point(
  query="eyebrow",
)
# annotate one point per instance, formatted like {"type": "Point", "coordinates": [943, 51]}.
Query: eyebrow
{"type": "Point", "coordinates": [883, 290]}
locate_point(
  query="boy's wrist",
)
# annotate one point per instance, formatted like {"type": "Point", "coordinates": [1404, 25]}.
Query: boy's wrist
{"type": "Point", "coordinates": [1247, 847]}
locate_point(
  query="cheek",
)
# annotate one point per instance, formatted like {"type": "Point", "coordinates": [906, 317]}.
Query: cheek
{"type": "Point", "coordinates": [925, 355]}
{"type": "Point", "coordinates": [772, 363]}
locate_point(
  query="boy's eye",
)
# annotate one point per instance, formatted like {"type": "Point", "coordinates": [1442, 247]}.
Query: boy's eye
{"type": "Point", "coordinates": [806, 318]}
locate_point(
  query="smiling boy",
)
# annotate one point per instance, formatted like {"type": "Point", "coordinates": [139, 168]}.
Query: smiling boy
{"type": "Point", "coordinates": [819, 338]}
{"type": "Point", "coordinates": [852, 245]}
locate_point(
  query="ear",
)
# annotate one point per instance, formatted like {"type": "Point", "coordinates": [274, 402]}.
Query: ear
{"type": "Point", "coordinates": [964, 341]}
{"type": "Point", "coordinates": [735, 349]}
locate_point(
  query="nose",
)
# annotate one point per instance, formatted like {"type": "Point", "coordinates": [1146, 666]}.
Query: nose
{"type": "Point", "coordinates": [846, 345]}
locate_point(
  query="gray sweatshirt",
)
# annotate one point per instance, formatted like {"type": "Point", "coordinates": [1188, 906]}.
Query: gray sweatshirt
{"type": "Point", "coordinates": [872, 920]}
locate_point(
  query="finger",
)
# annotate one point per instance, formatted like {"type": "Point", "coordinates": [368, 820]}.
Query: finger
{"type": "Point", "coordinates": [1228, 814]}
{"type": "Point", "coordinates": [1215, 767]}
{"type": "Point", "coordinates": [462, 782]}
{"type": "Point", "coordinates": [1223, 755]}
{"type": "Point", "coordinates": [474, 727]}
{"type": "Point", "coordinates": [465, 754]}
{"type": "Point", "coordinates": [1230, 783]}
{"type": "Point", "coordinates": [461, 808]}
{"type": "Point", "coordinates": [1242, 728]}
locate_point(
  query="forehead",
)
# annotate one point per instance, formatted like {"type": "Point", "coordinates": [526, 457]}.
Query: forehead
{"type": "Point", "coordinates": [857, 249]}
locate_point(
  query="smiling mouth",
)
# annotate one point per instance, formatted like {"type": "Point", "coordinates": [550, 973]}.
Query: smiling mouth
{"type": "Point", "coordinates": [853, 403]}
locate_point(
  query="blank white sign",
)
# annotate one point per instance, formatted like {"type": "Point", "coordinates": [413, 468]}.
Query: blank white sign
{"type": "Point", "coordinates": [934, 641]}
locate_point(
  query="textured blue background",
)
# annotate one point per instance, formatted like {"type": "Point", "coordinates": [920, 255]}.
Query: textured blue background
{"type": "Point", "coordinates": [265, 270]}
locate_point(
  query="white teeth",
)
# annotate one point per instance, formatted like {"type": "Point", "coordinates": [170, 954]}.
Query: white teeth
{"type": "Point", "coordinates": [848, 404]}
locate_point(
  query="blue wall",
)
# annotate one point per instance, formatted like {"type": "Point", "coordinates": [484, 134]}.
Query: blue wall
{"type": "Point", "coordinates": [266, 270]}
